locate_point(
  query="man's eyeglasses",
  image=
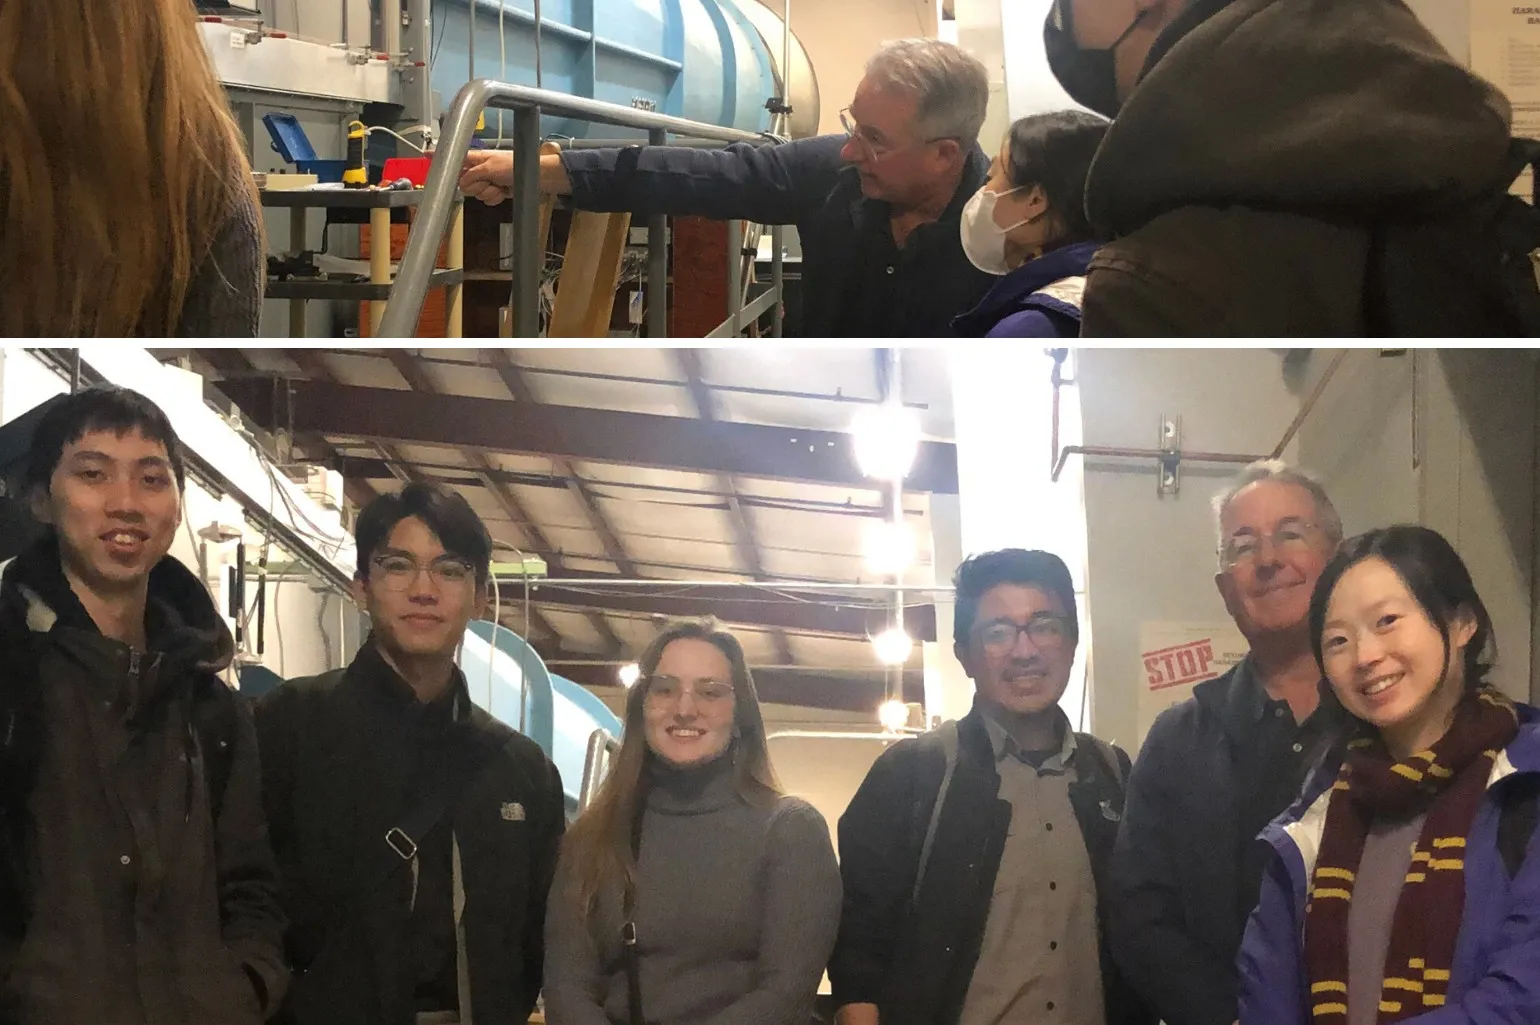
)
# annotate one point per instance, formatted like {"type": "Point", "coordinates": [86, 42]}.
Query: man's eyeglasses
{"type": "Point", "coordinates": [1045, 632]}
{"type": "Point", "coordinates": [1245, 549]}
{"type": "Point", "coordinates": [397, 572]}
{"type": "Point", "coordinates": [875, 150]}
{"type": "Point", "coordinates": [668, 691]}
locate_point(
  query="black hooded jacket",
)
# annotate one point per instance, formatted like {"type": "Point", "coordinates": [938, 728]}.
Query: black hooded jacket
{"type": "Point", "coordinates": [136, 881]}
{"type": "Point", "coordinates": [1239, 179]}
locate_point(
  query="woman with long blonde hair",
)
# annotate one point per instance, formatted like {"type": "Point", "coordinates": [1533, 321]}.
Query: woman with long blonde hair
{"type": "Point", "coordinates": [692, 891]}
{"type": "Point", "coordinates": [128, 203]}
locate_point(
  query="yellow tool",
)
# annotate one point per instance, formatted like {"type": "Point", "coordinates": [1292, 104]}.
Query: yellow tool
{"type": "Point", "coordinates": [355, 175]}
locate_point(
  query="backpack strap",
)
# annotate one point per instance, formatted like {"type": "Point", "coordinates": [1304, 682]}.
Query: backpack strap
{"type": "Point", "coordinates": [946, 736]}
{"type": "Point", "coordinates": [1108, 755]}
{"type": "Point", "coordinates": [1519, 812]}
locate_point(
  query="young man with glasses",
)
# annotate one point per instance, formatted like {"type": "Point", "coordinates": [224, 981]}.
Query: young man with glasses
{"type": "Point", "coordinates": [1220, 766]}
{"type": "Point", "coordinates": [973, 857]}
{"type": "Point", "coordinates": [417, 835]}
{"type": "Point", "coordinates": [877, 207]}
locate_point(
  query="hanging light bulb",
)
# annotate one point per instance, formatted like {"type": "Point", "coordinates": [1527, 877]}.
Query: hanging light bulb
{"type": "Point", "coordinates": [893, 646]}
{"type": "Point", "coordinates": [894, 715]}
{"type": "Point", "coordinates": [889, 548]}
{"type": "Point", "coordinates": [886, 440]}
{"type": "Point", "coordinates": [629, 674]}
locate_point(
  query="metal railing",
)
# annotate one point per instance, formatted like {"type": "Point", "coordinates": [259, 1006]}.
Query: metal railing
{"type": "Point", "coordinates": [422, 245]}
{"type": "Point", "coordinates": [596, 765]}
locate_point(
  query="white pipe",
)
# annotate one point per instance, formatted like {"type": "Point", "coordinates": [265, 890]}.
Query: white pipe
{"type": "Point", "coordinates": [790, 585]}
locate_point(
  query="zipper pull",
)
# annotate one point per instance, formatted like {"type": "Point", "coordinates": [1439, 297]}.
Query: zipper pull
{"type": "Point", "coordinates": [133, 664]}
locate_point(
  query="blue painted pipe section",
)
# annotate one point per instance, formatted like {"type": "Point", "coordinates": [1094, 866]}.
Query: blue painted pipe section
{"type": "Point", "coordinates": [559, 715]}
{"type": "Point", "coordinates": [696, 59]}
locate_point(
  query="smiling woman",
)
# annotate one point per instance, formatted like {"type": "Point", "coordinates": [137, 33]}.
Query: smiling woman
{"type": "Point", "coordinates": [729, 889]}
{"type": "Point", "coordinates": [1406, 848]}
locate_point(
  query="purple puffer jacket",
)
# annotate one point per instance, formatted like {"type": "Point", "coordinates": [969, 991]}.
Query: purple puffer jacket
{"type": "Point", "coordinates": [1495, 978]}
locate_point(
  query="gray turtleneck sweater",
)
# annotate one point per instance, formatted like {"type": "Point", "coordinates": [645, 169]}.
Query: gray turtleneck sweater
{"type": "Point", "coordinates": [736, 911]}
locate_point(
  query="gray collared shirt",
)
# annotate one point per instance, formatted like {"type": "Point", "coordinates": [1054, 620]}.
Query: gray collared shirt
{"type": "Point", "coordinates": [1040, 963]}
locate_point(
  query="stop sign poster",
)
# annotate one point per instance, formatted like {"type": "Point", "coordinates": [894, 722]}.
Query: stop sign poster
{"type": "Point", "coordinates": [1175, 657]}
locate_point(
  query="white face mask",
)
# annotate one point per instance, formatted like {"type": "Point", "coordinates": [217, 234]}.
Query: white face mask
{"type": "Point", "coordinates": [982, 239]}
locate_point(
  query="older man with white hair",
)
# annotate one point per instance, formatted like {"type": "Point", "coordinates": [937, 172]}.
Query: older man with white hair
{"type": "Point", "coordinates": [1217, 768]}
{"type": "Point", "coordinates": [877, 208]}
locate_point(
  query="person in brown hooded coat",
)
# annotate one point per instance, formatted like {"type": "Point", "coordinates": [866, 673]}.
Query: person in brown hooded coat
{"type": "Point", "coordinates": [1254, 142]}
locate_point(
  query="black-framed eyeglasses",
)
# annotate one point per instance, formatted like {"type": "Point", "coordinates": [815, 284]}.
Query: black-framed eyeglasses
{"type": "Point", "coordinates": [1044, 631]}
{"type": "Point", "coordinates": [1291, 536]}
{"type": "Point", "coordinates": [397, 572]}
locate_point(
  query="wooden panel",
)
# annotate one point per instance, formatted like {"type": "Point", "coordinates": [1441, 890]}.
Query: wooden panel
{"type": "Point", "coordinates": [585, 289]}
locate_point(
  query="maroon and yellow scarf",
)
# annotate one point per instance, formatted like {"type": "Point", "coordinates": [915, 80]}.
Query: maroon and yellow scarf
{"type": "Point", "coordinates": [1449, 781]}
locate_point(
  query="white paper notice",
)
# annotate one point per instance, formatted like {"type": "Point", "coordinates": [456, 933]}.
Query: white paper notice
{"type": "Point", "coordinates": [1175, 657]}
{"type": "Point", "coordinates": [1505, 50]}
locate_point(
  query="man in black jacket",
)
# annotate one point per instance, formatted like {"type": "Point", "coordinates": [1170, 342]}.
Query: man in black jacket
{"type": "Point", "coordinates": [136, 882]}
{"type": "Point", "coordinates": [878, 209]}
{"type": "Point", "coordinates": [973, 857]}
{"type": "Point", "coordinates": [417, 835]}
{"type": "Point", "coordinates": [1220, 766]}
{"type": "Point", "coordinates": [1265, 155]}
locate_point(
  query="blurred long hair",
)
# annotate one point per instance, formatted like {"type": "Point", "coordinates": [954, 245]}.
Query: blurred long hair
{"type": "Point", "coordinates": [119, 165]}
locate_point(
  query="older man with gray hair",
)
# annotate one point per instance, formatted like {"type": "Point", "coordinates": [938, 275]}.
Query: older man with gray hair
{"type": "Point", "coordinates": [1215, 769]}
{"type": "Point", "coordinates": [877, 207]}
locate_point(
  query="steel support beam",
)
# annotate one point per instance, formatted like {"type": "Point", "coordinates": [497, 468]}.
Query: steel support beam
{"type": "Point", "coordinates": [829, 614]}
{"type": "Point", "coordinates": [572, 432]}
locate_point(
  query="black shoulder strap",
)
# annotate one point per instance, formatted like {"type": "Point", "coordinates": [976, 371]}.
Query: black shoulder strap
{"type": "Point", "coordinates": [946, 737]}
{"type": "Point", "coordinates": [1111, 764]}
{"type": "Point", "coordinates": [1517, 818]}
{"type": "Point", "coordinates": [628, 927]}
{"type": "Point", "coordinates": [399, 845]}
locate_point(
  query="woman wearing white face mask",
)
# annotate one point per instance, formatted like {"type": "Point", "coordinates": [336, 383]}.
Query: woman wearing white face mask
{"type": "Point", "coordinates": [1028, 225]}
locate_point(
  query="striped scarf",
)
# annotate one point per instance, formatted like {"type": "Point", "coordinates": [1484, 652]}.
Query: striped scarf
{"type": "Point", "coordinates": [1449, 780]}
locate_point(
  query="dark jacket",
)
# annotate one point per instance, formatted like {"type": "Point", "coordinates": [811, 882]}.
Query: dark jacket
{"type": "Point", "coordinates": [1039, 299]}
{"type": "Point", "coordinates": [138, 885]}
{"type": "Point", "coordinates": [1237, 177]}
{"type": "Point", "coordinates": [854, 283]}
{"type": "Point", "coordinates": [1188, 863]}
{"type": "Point", "coordinates": [1495, 975]}
{"type": "Point", "coordinates": [916, 962]}
{"type": "Point", "coordinates": [337, 768]}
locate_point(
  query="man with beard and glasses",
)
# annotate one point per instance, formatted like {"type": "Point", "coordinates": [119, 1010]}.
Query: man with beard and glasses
{"type": "Point", "coordinates": [972, 857]}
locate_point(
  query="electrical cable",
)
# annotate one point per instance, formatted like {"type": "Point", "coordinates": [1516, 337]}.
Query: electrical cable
{"type": "Point", "coordinates": [398, 135]}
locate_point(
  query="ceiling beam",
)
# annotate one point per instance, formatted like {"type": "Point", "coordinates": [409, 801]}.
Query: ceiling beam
{"type": "Point", "coordinates": [376, 469]}
{"type": "Point", "coordinates": [572, 432]}
{"type": "Point", "coordinates": [518, 387]}
{"type": "Point", "coordinates": [418, 380]}
{"type": "Point", "coordinates": [232, 364]}
{"type": "Point", "coordinates": [313, 365]}
{"type": "Point", "coordinates": [745, 539]}
{"type": "Point", "coordinates": [828, 613]}
{"type": "Point", "coordinates": [774, 684]}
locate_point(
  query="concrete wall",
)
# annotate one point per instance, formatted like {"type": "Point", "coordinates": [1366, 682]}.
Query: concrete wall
{"type": "Point", "coordinates": [1445, 438]}
{"type": "Point", "coordinates": [1151, 559]}
{"type": "Point", "coordinates": [840, 35]}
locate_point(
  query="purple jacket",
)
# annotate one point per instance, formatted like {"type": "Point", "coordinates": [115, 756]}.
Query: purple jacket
{"type": "Point", "coordinates": [1495, 977]}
